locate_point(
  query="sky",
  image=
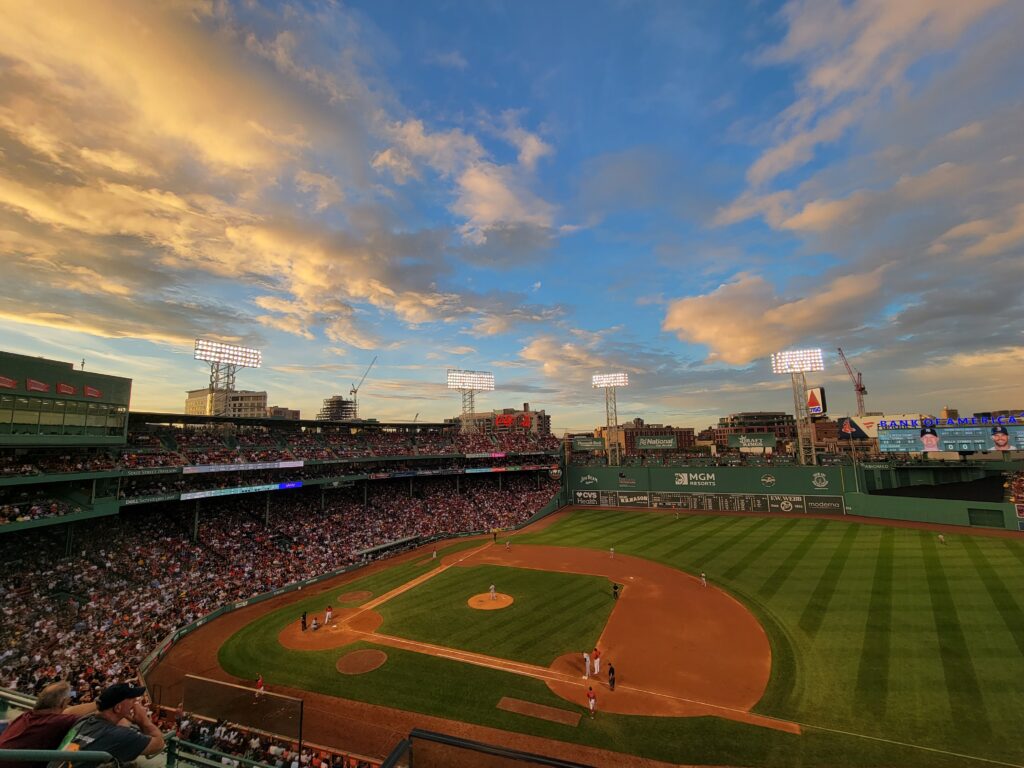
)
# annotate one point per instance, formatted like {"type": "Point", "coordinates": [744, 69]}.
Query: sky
{"type": "Point", "coordinates": [542, 190]}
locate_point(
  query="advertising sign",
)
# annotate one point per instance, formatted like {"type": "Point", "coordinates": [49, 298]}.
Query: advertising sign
{"type": "Point", "coordinates": [201, 468]}
{"type": "Point", "coordinates": [634, 499]}
{"type": "Point", "coordinates": [816, 401]}
{"type": "Point", "coordinates": [588, 443]}
{"type": "Point", "coordinates": [754, 440]}
{"type": "Point", "coordinates": [656, 443]}
{"type": "Point", "coordinates": [974, 438]}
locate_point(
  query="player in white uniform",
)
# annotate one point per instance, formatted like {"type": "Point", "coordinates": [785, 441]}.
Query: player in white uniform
{"type": "Point", "coordinates": [586, 664]}
{"type": "Point", "coordinates": [494, 596]}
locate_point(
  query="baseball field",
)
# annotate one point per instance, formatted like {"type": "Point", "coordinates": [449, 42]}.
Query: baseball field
{"type": "Point", "coordinates": [816, 642]}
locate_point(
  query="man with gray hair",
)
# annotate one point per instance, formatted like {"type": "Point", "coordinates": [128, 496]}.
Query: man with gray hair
{"type": "Point", "coordinates": [44, 726]}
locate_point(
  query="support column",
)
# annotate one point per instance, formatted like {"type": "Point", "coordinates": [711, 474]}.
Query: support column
{"type": "Point", "coordinates": [266, 511]}
{"type": "Point", "coordinates": [195, 524]}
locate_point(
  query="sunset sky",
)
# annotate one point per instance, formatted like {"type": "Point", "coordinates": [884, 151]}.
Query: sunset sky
{"type": "Point", "coordinates": [545, 190]}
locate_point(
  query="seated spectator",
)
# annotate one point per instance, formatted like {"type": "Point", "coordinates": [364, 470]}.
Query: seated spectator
{"type": "Point", "coordinates": [45, 725]}
{"type": "Point", "coordinates": [101, 732]}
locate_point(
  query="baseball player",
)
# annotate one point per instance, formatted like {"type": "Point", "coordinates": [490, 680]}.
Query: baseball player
{"type": "Point", "coordinates": [329, 616]}
{"type": "Point", "coordinates": [611, 553]}
{"type": "Point", "coordinates": [595, 658]}
{"type": "Point", "coordinates": [591, 701]}
{"type": "Point", "coordinates": [703, 579]}
{"type": "Point", "coordinates": [303, 621]}
{"type": "Point", "coordinates": [508, 544]}
{"type": "Point", "coordinates": [259, 687]}
{"type": "Point", "coordinates": [494, 596]}
{"type": "Point", "coordinates": [942, 539]}
{"type": "Point", "coordinates": [586, 665]}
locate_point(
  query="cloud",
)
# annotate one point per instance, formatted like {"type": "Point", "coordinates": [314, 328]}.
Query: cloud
{"type": "Point", "coordinates": [448, 60]}
{"type": "Point", "coordinates": [324, 189]}
{"type": "Point", "coordinates": [745, 319]}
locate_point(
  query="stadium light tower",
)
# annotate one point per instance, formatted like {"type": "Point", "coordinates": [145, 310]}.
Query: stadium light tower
{"type": "Point", "coordinates": [469, 383]}
{"type": "Point", "coordinates": [610, 382]}
{"type": "Point", "coordinates": [797, 362]}
{"type": "Point", "coordinates": [224, 360]}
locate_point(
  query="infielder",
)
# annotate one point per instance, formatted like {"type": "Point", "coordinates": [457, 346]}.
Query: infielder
{"type": "Point", "coordinates": [591, 701]}
{"type": "Point", "coordinates": [493, 595]}
{"type": "Point", "coordinates": [703, 579]}
{"type": "Point", "coordinates": [596, 658]}
{"type": "Point", "coordinates": [611, 553]}
{"type": "Point", "coordinates": [586, 665]}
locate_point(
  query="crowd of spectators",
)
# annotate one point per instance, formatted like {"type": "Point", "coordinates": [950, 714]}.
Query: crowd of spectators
{"type": "Point", "coordinates": [234, 739]}
{"type": "Point", "coordinates": [176, 447]}
{"type": "Point", "coordinates": [130, 580]}
{"type": "Point", "coordinates": [1015, 488]}
{"type": "Point", "coordinates": [28, 508]}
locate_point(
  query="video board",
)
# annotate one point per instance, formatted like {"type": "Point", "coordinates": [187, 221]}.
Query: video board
{"type": "Point", "coordinates": [968, 439]}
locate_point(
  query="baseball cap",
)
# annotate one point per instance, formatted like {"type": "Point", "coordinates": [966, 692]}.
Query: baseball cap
{"type": "Point", "coordinates": [1000, 430]}
{"type": "Point", "coordinates": [117, 693]}
{"type": "Point", "coordinates": [928, 431]}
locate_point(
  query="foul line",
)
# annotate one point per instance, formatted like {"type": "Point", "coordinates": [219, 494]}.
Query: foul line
{"type": "Point", "coordinates": [542, 673]}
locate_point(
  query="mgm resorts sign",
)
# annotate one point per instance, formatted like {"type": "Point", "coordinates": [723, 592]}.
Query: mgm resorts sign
{"type": "Point", "coordinates": [761, 440]}
{"type": "Point", "coordinates": [695, 479]}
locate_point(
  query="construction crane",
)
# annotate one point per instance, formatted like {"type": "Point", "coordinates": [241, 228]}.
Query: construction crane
{"type": "Point", "coordinates": [858, 383]}
{"type": "Point", "coordinates": [355, 388]}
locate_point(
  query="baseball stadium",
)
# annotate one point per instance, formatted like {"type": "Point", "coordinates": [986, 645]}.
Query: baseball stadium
{"type": "Point", "coordinates": [477, 592]}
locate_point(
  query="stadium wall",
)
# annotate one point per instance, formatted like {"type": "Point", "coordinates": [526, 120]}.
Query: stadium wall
{"type": "Point", "coordinates": [942, 511]}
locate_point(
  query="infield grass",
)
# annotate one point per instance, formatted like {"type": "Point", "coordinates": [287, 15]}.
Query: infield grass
{"type": "Point", "coordinates": [553, 613]}
{"type": "Point", "coordinates": [876, 631]}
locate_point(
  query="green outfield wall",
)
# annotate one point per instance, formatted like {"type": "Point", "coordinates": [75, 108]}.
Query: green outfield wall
{"type": "Point", "coordinates": [812, 490]}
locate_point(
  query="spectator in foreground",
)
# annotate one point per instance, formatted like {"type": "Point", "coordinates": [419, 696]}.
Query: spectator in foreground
{"type": "Point", "coordinates": [44, 726]}
{"type": "Point", "coordinates": [101, 732]}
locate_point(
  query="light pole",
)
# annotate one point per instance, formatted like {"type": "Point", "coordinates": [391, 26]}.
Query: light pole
{"type": "Point", "coordinates": [469, 383]}
{"type": "Point", "coordinates": [609, 382]}
{"type": "Point", "coordinates": [797, 362]}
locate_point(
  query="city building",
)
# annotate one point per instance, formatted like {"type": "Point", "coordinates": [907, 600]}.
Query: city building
{"type": "Point", "coordinates": [639, 438]}
{"type": "Point", "coordinates": [236, 404]}
{"type": "Point", "coordinates": [508, 420]}
{"type": "Point", "coordinates": [337, 408]}
{"type": "Point", "coordinates": [280, 412]}
{"type": "Point", "coordinates": [949, 413]}
{"type": "Point", "coordinates": [777, 423]}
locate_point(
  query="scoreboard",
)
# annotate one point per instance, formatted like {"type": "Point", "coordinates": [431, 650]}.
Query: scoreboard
{"type": "Point", "coordinates": [714, 502]}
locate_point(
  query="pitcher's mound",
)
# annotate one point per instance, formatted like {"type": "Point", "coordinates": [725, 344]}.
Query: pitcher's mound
{"type": "Point", "coordinates": [359, 662]}
{"type": "Point", "coordinates": [483, 602]}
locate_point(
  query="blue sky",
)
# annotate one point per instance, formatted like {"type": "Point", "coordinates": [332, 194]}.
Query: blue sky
{"type": "Point", "coordinates": [544, 190]}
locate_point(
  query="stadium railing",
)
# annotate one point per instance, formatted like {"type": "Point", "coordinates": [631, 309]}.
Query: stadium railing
{"type": "Point", "coordinates": [429, 749]}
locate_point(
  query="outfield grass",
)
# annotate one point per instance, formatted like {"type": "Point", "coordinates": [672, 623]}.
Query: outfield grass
{"type": "Point", "coordinates": [565, 612]}
{"type": "Point", "coordinates": [875, 631]}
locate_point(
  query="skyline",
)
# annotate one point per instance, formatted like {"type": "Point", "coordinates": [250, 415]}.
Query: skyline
{"type": "Point", "coordinates": [545, 192]}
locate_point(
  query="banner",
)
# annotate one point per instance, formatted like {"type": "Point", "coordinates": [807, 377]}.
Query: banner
{"type": "Point", "coordinates": [651, 443]}
{"type": "Point", "coordinates": [7, 383]}
{"type": "Point", "coordinates": [36, 386]}
{"type": "Point", "coordinates": [755, 440]}
{"type": "Point", "coordinates": [816, 401]}
{"type": "Point", "coordinates": [202, 468]}
{"type": "Point", "coordinates": [66, 389]}
{"type": "Point", "coordinates": [92, 392]}
{"type": "Point", "coordinates": [588, 443]}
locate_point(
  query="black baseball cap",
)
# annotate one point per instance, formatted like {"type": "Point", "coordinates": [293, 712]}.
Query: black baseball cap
{"type": "Point", "coordinates": [929, 431]}
{"type": "Point", "coordinates": [1000, 430]}
{"type": "Point", "coordinates": [117, 693]}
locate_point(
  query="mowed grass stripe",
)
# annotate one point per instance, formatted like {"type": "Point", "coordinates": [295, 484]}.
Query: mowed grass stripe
{"type": "Point", "coordinates": [732, 542]}
{"type": "Point", "coordinates": [682, 529]}
{"type": "Point", "coordinates": [814, 612]}
{"type": "Point", "coordinates": [962, 687]}
{"type": "Point", "coordinates": [873, 672]}
{"type": "Point", "coordinates": [1015, 549]}
{"type": "Point", "coordinates": [774, 582]}
{"type": "Point", "coordinates": [755, 554]}
{"type": "Point", "coordinates": [1013, 616]}
{"type": "Point", "coordinates": [693, 541]}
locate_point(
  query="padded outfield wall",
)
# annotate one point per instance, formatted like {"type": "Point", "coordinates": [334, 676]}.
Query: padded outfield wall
{"type": "Point", "coordinates": [813, 490]}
